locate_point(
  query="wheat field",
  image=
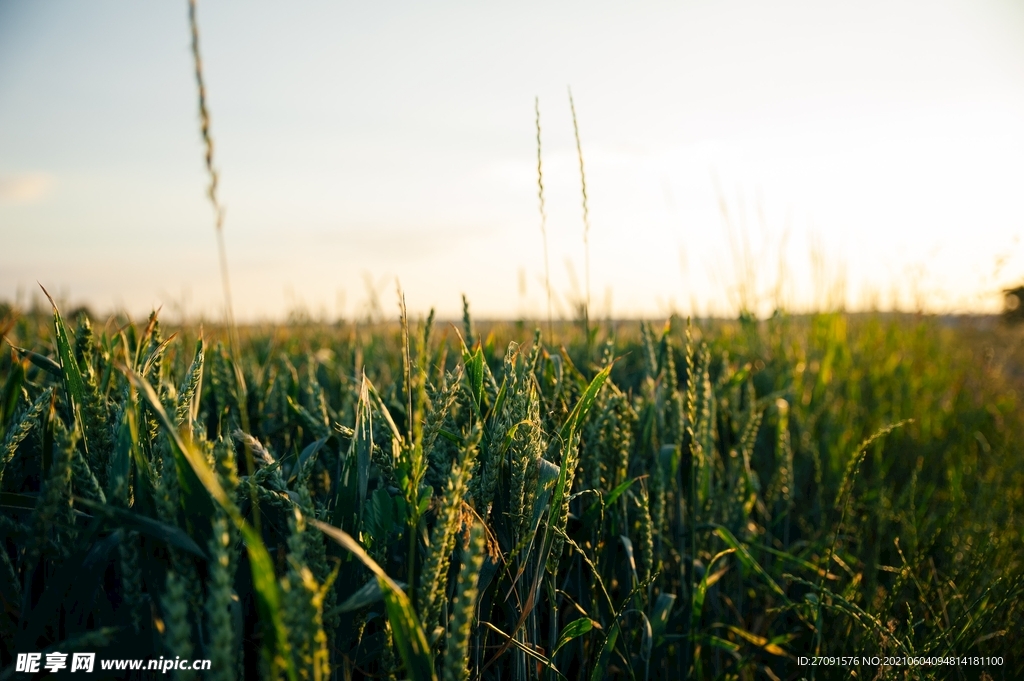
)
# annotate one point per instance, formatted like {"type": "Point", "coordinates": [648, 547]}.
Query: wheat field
{"type": "Point", "coordinates": [708, 500]}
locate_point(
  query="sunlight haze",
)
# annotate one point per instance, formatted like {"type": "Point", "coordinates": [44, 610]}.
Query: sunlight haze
{"type": "Point", "coordinates": [736, 153]}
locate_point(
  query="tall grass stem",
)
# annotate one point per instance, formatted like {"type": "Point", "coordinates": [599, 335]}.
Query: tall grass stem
{"type": "Point", "coordinates": [586, 216]}
{"type": "Point", "coordinates": [543, 215]}
{"type": "Point", "coordinates": [211, 191]}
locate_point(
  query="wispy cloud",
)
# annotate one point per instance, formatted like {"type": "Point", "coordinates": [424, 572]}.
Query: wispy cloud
{"type": "Point", "coordinates": [25, 187]}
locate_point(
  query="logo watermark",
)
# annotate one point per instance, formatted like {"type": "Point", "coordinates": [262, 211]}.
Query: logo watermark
{"type": "Point", "coordinates": [33, 663]}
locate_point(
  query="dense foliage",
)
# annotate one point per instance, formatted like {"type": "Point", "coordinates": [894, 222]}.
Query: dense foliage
{"type": "Point", "coordinates": [402, 501]}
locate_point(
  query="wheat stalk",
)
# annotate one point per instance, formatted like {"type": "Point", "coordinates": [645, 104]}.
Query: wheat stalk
{"type": "Point", "coordinates": [460, 626]}
{"type": "Point", "coordinates": [586, 215]}
{"type": "Point", "coordinates": [211, 190]}
{"type": "Point", "coordinates": [543, 216]}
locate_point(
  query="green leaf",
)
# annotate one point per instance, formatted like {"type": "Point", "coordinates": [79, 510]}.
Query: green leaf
{"type": "Point", "coordinates": [366, 595]}
{"type": "Point", "coordinates": [613, 632]}
{"type": "Point", "coordinates": [769, 646]}
{"type": "Point", "coordinates": [127, 450]}
{"type": "Point", "coordinates": [41, 361]}
{"type": "Point", "coordinates": [721, 643]}
{"type": "Point", "coordinates": [670, 457]}
{"type": "Point", "coordinates": [268, 595]}
{"type": "Point", "coordinates": [382, 408]}
{"type": "Point", "coordinates": [566, 434]}
{"type": "Point", "coordinates": [74, 386]}
{"type": "Point", "coordinates": [627, 547]}
{"type": "Point", "coordinates": [614, 495]}
{"type": "Point", "coordinates": [316, 426]}
{"type": "Point", "coordinates": [528, 650]}
{"type": "Point", "coordinates": [661, 613]}
{"type": "Point", "coordinates": [546, 479]}
{"type": "Point", "coordinates": [599, 672]}
{"type": "Point", "coordinates": [450, 436]}
{"type": "Point", "coordinates": [129, 520]}
{"type": "Point", "coordinates": [568, 430]}
{"type": "Point", "coordinates": [307, 453]}
{"type": "Point", "coordinates": [748, 562]}
{"type": "Point", "coordinates": [572, 630]}
{"type": "Point", "coordinates": [582, 408]}
{"type": "Point", "coordinates": [409, 636]}
{"type": "Point", "coordinates": [810, 567]}
{"type": "Point", "coordinates": [74, 579]}
{"type": "Point", "coordinates": [378, 519]}
{"type": "Point", "coordinates": [22, 502]}
{"type": "Point", "coordinates": [702, 589]}
{"type": "Point", "coordinates": [196, 502]}
{"type": "Point", "coordinates": [9, 396]}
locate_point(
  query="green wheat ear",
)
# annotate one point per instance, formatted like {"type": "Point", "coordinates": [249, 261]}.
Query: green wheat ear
{"type": "Point", "coordinates": [83, 478]}
{"type": "Point", "coordinates": [226, 466]}
{"type": "Point", "coordinates": [527, 448]}
{"type": "Point", "coordinates": [442, 538]}
{"type": "Point", "coordinates": [131, 576]}
{"type": "Point", "coordinates": [187, 408]}
{"type": "Point", "coordinates": [17, 433]}
{"type": "Point", "coordinates": [441, 404]}
{"type": "Point", "coordinates": [49, 520]}
{"type": "Point", "coordinates": [460, 625]}
{"type": "Point", "coordinates": [178, 631]}
{"type": "Point", "coordinates": [646, 536]}
{"type": "Point", "coordinates": [222, 646]}
{"type": "Point", "coordinates": [467, 324]}
{"type": "Point", "coordinates": [303, 607]}
{"type": "Point", "coordinates": [85, 348]}
{"type": "Point", "coordinates": [94, 407]}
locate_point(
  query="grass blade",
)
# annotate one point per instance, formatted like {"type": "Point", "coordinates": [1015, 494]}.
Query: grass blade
{"type": "Point", "coordinates": [748, 562]}
{"type": "Point", "coordinates": [573, 630]}
{"type": "Point", "coordinates": [74, 385]}
{"type": "Point", "coordinates": [41, 361]}
{"type": "Point", "coordinates": [410, 638]}
{"type": "Point", "coordinates": [128, 520]}
{"type": "Point", "coordinates": [701, 591]}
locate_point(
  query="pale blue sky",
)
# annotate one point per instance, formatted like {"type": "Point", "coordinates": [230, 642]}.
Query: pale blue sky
{"type": "Point", "coordinates": [379, 141]}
